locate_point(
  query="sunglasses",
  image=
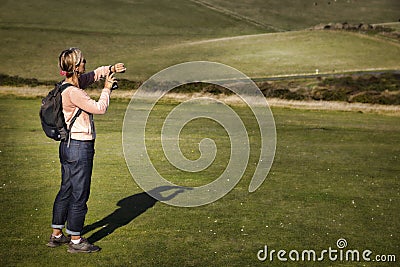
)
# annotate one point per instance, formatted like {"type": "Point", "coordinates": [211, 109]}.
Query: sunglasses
{"type": "Point", "coordinates": [81, 62]}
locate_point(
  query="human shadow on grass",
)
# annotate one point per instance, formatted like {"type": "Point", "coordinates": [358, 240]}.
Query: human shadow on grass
{"type": "Point", "coordinates": [130, 208]}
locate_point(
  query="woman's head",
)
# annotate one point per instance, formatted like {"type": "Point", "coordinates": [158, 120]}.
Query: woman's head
{"type": "Point", "coordinates": [71, 61]}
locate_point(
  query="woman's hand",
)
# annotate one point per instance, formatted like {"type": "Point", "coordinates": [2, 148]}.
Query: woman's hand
{"type": "Point", "coordinates": [119, 68]}
{"type": "Point", "coordinates": [110, 80]}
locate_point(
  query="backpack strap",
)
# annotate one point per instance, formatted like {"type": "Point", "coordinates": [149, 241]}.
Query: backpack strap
{"type": "Point", "coordinates": [74, 118]}
{"type": "Point", "coordinates": [72, 122]}
{"type": "Point", "coordinates": [62, 88]}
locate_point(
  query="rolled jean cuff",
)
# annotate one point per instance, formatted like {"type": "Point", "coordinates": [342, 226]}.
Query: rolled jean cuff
{"type": "Point", "coordinates": [56, 226]}
{"type": "Point", "coordinates": [72, 232]}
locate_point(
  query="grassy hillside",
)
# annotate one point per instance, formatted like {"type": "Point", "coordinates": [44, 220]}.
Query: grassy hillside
{"type": "Point", "coordinates": [149, 36]}
{"type": "Point", "coordinates": [295, 15]}
{"type": "Point", "coordinates": [257, 55]}
{"type": "Point", "coordinates": [34, 33]}
{"type": "Point", "coordinates": [129, 17]}
{"type": "Point", "coordinates": [291, 52]}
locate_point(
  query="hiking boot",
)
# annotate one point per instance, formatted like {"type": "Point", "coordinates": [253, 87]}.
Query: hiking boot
{"type": "Point", "coordinates": [56, 242]}
{"type": "Point", "coordinates": [83, 246]}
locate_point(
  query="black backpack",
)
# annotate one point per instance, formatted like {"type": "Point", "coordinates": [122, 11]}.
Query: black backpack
{"type": "Point", "coordinates": [52, 116]}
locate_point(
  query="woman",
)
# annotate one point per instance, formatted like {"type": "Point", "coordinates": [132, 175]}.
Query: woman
{"type": "Point", "coordinates": [76, 154]}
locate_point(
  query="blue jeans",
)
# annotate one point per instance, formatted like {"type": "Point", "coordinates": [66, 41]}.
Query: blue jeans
{"type": "Point", "coordinates": [76, 172]}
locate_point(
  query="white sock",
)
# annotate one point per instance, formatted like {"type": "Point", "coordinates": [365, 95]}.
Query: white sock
{"type": "Point", "coordinates": [76, 241]}
{"type": "Point", "coordinates": [58, 236]}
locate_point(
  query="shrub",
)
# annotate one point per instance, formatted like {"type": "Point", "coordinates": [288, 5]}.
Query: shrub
{"type": "Point", "coordinates": [6, 80]}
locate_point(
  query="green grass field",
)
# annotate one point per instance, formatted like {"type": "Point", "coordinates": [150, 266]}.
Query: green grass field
{"type": "Point", "coordinates": [298, 15]}
{"type": "Point", "coordinates": [335, 175]}
{"type": "Point", "coordinates": [293, 53]}
{"type": "Point", "coordinates": [150, 36]}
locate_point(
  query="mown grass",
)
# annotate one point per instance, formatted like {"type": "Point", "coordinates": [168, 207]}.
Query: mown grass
{"type": "Point", "coordinates": [335, 175]}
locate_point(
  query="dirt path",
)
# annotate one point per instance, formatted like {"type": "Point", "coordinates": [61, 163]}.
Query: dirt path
{"type": "Point", "coordinates": [235, 15]}
{"type": "Point", "coordinates": [38, 92]}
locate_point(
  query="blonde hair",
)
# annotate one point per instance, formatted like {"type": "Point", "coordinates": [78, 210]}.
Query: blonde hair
{"type": "Point", "coordinates": [69, 59]}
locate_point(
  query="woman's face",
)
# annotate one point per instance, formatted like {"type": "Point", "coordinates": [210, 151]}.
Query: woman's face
{"type": "Point", "coordinates": [81, 67]}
